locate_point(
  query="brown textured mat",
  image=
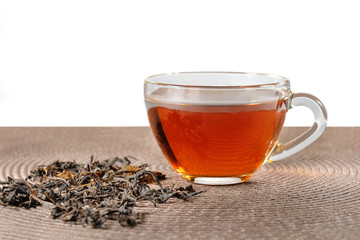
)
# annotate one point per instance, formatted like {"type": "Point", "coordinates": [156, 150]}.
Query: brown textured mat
{"type": "Point", "coordinates": [314, 194]}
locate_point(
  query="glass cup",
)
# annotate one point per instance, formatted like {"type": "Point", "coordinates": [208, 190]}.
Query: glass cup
{"type": "Point", "coordinates": [218, 128]}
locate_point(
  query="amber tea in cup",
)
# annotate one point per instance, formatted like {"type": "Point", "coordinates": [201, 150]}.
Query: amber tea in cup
{"type": "Point", "coordinates": [219, 128]}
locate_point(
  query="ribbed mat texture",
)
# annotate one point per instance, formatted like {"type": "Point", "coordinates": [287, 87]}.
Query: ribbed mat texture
{"type": "Point", "coordinates": [314, 194]}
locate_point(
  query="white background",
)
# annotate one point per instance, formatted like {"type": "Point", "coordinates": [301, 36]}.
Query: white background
{"type": "Point", "coordinates": [82, 63]}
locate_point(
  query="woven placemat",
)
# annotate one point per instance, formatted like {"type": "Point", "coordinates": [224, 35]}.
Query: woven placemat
{"type": "Point", "coordinates": [314, 194]}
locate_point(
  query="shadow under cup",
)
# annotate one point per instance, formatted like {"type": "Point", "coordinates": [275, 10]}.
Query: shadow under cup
{"type": "Point", "coordinates": [213, 127]}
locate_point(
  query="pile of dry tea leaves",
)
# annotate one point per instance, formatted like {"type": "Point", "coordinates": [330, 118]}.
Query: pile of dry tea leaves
{"type": "Point", "coordinates": [91, 193]}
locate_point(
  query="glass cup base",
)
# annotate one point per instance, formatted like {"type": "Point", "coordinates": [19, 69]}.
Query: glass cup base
{"type": "Point", "coordinates": [216, 180]}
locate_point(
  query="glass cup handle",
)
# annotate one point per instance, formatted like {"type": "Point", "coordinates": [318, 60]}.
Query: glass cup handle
{"type": "Point", "coordinates": [281, 151]}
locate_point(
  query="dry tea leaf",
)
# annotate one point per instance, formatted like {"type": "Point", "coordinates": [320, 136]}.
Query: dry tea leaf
{"type": "Point", "coordinates": [91, 193]}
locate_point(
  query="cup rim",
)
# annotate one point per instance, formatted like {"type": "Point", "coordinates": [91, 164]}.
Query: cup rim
{"type": "Point", "coordinates": [282, 81]}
